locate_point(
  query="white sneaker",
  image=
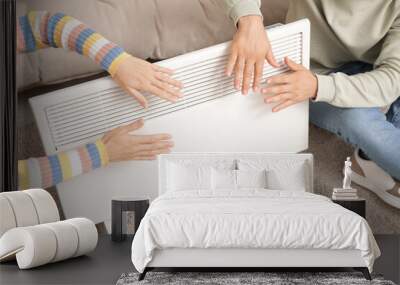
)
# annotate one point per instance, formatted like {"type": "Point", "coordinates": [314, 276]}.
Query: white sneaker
{"type": "Point", "coordinates": [368, 174]}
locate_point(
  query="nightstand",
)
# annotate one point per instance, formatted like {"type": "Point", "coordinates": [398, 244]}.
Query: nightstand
{"type": "Point", "coordinates": [357, 206]}
{"type": "Point", "coordinates": [119, 207]}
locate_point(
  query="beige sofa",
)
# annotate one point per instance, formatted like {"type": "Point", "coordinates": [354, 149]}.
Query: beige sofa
{"type": "Point", "coordinates": [158, 29]}
{"type": "Point", "coordinates": [150, 29]}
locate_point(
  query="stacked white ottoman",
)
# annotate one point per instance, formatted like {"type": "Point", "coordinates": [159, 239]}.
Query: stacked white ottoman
{"type": "Point", "coordinates": [31, 230]}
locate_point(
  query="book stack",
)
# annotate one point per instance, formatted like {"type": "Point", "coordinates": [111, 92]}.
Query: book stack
{"type": "Point", "coordinates": [344, 194]}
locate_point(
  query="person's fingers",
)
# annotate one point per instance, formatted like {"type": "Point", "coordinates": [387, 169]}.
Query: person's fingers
{"type": "Point", "coordinates": [271, 58]}
{"type": "Point", "coordinates": [130, 157]}
{"type": "Point", "coordinates": [152, 157]}
{"type": "Point", "coordinates": [283, 105]}
{"type": "Point", "coordinates": [138, 96]}
{"type": "Point", "coordinates": [169, 80]}
{"type": "Point", "coordinates": [151, 138]}
{"type": "Point", "coordinates": [231, 63]}
{"type": "Point", "coordinates": [238, 72]}
{"type": "Point", "coordinates": [258, 73]}
{"type": "Point", "coordinates": [162, 69]}
{"type": "Point", "coordinates": [277, 89]}
{"type": "Point", "coordinates": [162, 93]}
{"type": "Point", "coordinates": [153, 146]}
{"type": "Point", "coordinates": [132, 126]}
{"type": "Point", "coordinates": [292, 65]}
{"type": "Point", "coordinates": [280, 79]}
{"type": "Point", "coordinates": [174, 93]}
{"type": "Point", "coordinates": [142, 155]}
{"type": "Point", "coordinates": [153, 152]}
{"type": "Point", "coordinates": [247, 76]}
{"type": "Point", "coordinates": [278, 98]}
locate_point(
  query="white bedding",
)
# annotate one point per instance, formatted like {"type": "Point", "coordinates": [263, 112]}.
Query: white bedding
{"type": "Point", "coordinates": [250, 218]}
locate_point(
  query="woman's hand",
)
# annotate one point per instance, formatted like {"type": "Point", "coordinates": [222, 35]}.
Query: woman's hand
{"type": "Point", "coordinates": [136, 75]}
{"type": "Point", "coordinates": [249, 49]}
{"type": "Point", "coordinates": [121, 145]}
{"type": "Point", "coordinates": [288, 89]}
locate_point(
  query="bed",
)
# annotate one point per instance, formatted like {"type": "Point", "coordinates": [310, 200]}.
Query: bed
{"type": "Point", "coordinates": [247, 210]}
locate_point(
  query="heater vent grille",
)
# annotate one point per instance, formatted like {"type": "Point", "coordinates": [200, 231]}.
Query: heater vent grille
{"type": "Point", "coordinates": [74, 118]}
{"type": "Point", "coordinates": [211, 118]}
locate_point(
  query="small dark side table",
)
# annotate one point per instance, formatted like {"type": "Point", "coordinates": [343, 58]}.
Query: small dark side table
{"type": "Point", "coordinates": [357, 206]}
{"type": "Point", "coordinates": [119, 205]}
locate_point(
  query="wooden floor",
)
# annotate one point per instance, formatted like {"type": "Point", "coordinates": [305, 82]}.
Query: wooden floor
{"type": "Point", "coordinates": [110, 260]}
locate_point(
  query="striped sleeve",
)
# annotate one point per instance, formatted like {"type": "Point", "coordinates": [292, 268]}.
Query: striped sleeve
{"type": "Point", "coordinates": [44, 172]}
{"type": "Point", "coordinates": [40, 29]}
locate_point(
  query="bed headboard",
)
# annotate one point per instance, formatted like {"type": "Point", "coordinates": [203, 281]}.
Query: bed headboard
{"type": "Point", "coordinates": [213, 159]}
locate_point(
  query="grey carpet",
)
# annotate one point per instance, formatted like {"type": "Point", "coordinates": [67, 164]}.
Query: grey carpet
{"type": "Point", "coordinates": [243, 278]}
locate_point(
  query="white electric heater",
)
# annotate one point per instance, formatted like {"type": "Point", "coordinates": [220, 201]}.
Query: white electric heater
{"type": "Point", "coordinates": [211, 117]}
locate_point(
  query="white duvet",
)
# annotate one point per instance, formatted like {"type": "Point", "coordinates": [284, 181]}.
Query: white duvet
{"type": "Point", "coordinates": [250, 219]}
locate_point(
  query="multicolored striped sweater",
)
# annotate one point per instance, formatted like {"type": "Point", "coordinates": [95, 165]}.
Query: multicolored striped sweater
{"type": "Point", "coordinates": [50, 170]}
{"type": "Point", "coordinates": [40, 29]}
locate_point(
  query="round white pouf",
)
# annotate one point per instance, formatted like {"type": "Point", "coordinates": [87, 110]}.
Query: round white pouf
{"type": "Point", "coordinates": [87, 233]}
{"type": "Point", "coordinates": [7, 218]}
{"type": "Point", "coordinates": [45, 205]}
{"type": "Point", "coordinates": [33, 246]}
{"type": "Point", "coordinates": [23, 208]}
{"type": "Point", "coordinates": [30, 230]}
{"type": "Point", "coordinates": [40, 244]}
{"type": "Point", "coordinates": [67, 240]}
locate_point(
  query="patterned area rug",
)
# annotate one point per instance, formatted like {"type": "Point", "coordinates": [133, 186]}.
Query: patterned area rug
{"type": "Point", "coordinates": [244, 278]}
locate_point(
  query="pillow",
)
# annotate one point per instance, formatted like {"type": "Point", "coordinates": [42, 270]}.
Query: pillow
{"type": "Point", "coordinates": [223, 179]}
{"type": "Point", "coordinates": [251, 178]}
{"type": "Point", "coordinates": [183, 177]}
{"type": "Point", "coordinates": [281, 173]}
{"type": "Point", "coordinates": [293, 178]}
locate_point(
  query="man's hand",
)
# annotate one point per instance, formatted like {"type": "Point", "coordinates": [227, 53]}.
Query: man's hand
{"type": "Point", "coordinates": [136, 75]}
{"type": "Point", "coordinates": [288, 89]}
{"type": "Point", "coordinates": [122, 145]}
{"type": "Point", "coordinates": [250, 47]}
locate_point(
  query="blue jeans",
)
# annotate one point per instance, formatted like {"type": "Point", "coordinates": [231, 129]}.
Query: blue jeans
{"type": "Point", "coordinates": [377, 134]}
